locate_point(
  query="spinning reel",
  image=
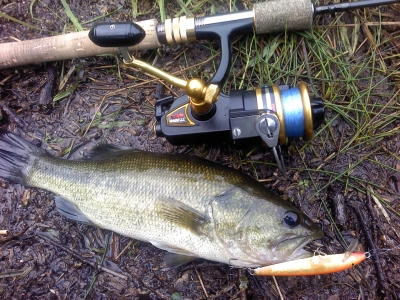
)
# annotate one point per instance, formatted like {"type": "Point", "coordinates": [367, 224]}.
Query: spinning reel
{"type": "Point", "coordinates": [205, 115]}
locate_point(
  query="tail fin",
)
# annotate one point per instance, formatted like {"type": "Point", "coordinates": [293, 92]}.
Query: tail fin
{"type": "Point", "coordinates": [16, 157]}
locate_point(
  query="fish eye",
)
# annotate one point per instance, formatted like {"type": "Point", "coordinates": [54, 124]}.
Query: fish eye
{"type": "Point", "coordinates": [291, 219]}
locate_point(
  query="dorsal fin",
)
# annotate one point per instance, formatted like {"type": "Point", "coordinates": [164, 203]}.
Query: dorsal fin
{"type": "Point", "coordinates": [105, 151]}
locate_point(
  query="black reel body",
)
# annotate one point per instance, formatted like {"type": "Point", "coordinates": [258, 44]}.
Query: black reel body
{"type": "Point", "coordinates": [276, 112]}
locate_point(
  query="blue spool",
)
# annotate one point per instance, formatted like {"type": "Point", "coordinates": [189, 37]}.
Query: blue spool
{"type": "Point", "coordinates": [293, 113]}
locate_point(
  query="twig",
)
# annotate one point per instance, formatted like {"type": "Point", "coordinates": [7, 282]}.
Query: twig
{"type": "Point", "coordinates": [94, 265]}
{"type": "Point", "coordinates": [335, 229]}
{"type": "Point", "coordinates": [12, 273]}
{"type": "Point", "coordinates": [109, 271]}
{"type": "Point", "coordinates": [242, 286]}
{"type": "Point", "coordinates": [139, 279]}
{"type": "Point", "coordinates": [123, 250]}
{"type": "Point", "coordinates": [201, 281]}
{"type": "Point", "coordinates": [225, 290]}
{"type": "Point", "coordinates": [3, 232]}
{"type": "Point", "coordinates": [378, 203]}
{"type": "Point", "coordinates": [95, 275]}
{"type": "Point", "coordinates": [382, 284]}
{"type": "Point", "coordinates": [80, 258]}
{"type": "Point", "coordinates": [5, 79]}
{"type": "Point", "coordinates": [46, 94]}
{"type": "Point", "coordinates": [277, 287]}
{"type": "Point", "coordinates": [13, 117]}
{"type": "Point", "coordinates": [263, 292]}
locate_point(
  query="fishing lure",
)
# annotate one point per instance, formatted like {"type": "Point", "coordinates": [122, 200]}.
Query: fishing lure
{"type": "Point", "coordinates": [316, 265]}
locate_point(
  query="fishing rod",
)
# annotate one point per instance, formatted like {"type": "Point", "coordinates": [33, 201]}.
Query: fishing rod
{"type": "Point", "coordinates": [265, 17]}
{"type": "Point", "coordinates": [205, 115]}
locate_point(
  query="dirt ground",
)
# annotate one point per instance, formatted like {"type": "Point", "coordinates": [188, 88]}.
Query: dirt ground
{"type": "Point", "coordinates": [45, 256]}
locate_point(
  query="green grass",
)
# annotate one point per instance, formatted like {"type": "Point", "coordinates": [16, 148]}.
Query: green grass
{"type": "Point", "coordinates": [71, 16]}
{"type": "Point", "coordinates": [16, 20]}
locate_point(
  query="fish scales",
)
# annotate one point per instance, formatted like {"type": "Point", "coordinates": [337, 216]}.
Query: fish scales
{"type": "Point", "coordinates": [99, 188]}
{"type": "Point", "coordinates": [185, 205]}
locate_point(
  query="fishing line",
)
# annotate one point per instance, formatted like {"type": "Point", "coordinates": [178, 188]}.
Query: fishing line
{"type": "Point", "coordinates": [352, 248]}
{"type": "Point", "coordinates": [379, 252]}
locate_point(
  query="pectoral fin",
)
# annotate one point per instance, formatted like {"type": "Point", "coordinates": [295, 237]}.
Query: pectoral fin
{"type": "Point", "coordinates": [183, 215]}
{"type": "Point", "coordinates": [172, 260]}
{"type": "Point", "coordinates": [175, 256]}
{"type": "Point", "coordinates": [71, 211]}
{"type": "Point", "coordinates": [170, 248]}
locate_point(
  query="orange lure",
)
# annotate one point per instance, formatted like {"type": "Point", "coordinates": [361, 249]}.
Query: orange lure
{"type": "Point", "coordinates": [315, 265]}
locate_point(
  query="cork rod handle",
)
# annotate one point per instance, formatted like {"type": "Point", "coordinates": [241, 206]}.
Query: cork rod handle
{"type": "Point", "coordinates": [278, 15]}
{"type": "Point", "coordinates": [66, 46]}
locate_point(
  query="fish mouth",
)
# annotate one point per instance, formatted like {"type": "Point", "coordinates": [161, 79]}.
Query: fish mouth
{"type": "Point", "coordinates": [290, 246]}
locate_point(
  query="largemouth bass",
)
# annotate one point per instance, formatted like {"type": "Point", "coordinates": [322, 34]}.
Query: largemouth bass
{"type": "Point", "coordinates": [185, 205]}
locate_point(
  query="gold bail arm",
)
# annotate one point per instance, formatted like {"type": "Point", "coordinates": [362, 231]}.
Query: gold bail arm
{"type": "Point", "coordinates": [201, 96]}
{"type": "Point", "coordinates": [156, 72]}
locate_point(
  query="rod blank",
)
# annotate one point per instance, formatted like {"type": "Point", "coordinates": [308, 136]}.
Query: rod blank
{"type": "Point", "coordinates": [341, 7]}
